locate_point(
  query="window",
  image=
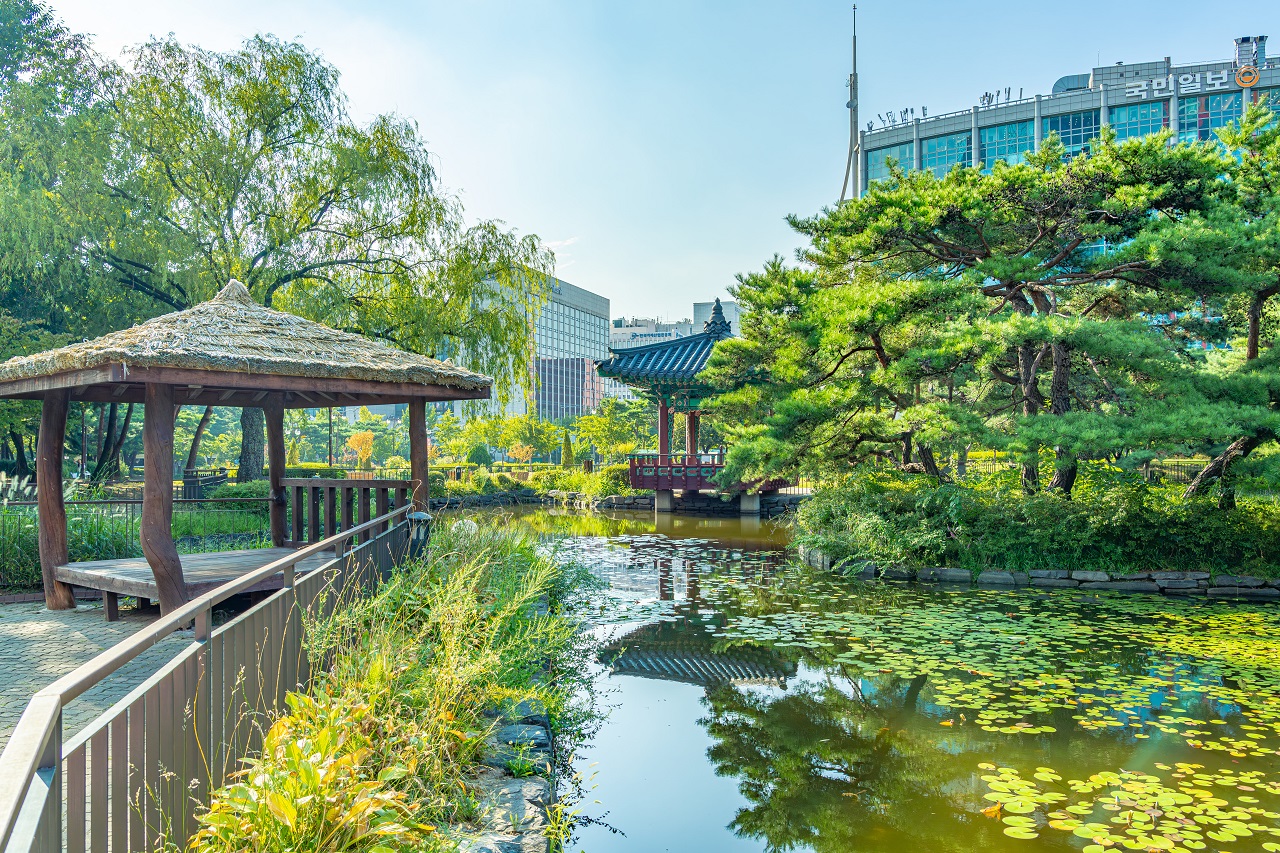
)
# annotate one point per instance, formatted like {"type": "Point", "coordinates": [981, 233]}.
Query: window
{"type": "Point", "coordinates": [1007, 142]}
{"type": "Point", "coordinates": [1201, 115]}
{"type": "Point", "coordinates": [1134, 120]}
{"type": "Point", "coordinates": [1076, 130]}
{"type": "Point", "coordinates": [942, 153]}
{"type": "Point", "coordinates": [878, 160]}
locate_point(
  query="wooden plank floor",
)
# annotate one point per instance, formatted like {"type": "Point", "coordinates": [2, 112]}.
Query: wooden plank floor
{"type": "Point", "coordinates": [203, 572]}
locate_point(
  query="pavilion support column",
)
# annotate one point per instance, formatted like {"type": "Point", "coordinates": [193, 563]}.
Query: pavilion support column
{"type": "Point", "coordinates": [691, 423]}
{"type": "Point", "coordinates": [53, 515]}
{"type": "Point", "coordinates": [419, 461]}
{"type": "Point", "coordinates": [273, 409]}
{"type": "Point", "coordinates": [157, 498]}
{"type": "Point", "coordinates": [664, 428]}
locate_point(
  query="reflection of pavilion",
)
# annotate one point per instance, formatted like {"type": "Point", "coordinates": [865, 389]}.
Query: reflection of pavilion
{"type": "Point", "coordinates": [671, 652]}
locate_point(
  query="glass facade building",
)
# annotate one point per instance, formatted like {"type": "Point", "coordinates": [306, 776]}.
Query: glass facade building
{"type": "Point", "coordinates": [1200, 116]}
{"type": "Point", "coordinates": [1076, 130]}
{"type": "Point", "coordinates": [878, 160]}
{"type": "Point", "coordinates": [941, 153]}
{"type": "Point", "coordinates": [1134, 120]}
{"type": "Point", "coordinates": [1008, 142]}
{"type": "Point", "coordinates": [1191, 101]}
{"type": "Point", "coordinates": [572, 333]}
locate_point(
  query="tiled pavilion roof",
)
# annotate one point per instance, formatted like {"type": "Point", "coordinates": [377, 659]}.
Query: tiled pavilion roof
{"type": "Point", "coordinates": [677, 361]}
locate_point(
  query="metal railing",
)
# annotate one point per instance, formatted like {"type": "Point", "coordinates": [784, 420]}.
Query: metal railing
{"type": "Point", "coordinates": [134, 776]}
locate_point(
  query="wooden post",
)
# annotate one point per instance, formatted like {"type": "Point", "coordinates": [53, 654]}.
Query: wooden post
{"type": "Point", "coordinates": [691, 420]}
{"type": "Point", "coordinates": [273, 408]}
{"type": "Point", "coordinates": [157, 498]}
{"type": "Point", "coordinates": [664, 429]}
{"type": "Point", "coordinates": [419, 463]}
{"type": "Point", "coordinates": [53, 515]}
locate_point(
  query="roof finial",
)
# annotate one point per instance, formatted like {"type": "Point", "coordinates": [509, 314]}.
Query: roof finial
{"type": "Point", "coordinates": [235, 292]}
{"type": "Point", "coordinates": [717, 327]}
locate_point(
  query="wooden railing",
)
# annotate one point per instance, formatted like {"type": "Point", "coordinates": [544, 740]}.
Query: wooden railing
{"type": "Point", "coordinates": [675, 470]}
{"type": "Point", "coordinates": [319, 508]}
{"type": "Point", "coordinates": [134, 776]}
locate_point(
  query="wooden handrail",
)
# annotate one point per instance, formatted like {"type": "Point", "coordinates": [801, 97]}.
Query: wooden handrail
{"type": "Point", "coordinates": [25, 753]}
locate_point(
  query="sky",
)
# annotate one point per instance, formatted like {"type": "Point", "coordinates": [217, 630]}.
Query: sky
{"type": "Point", "coordinates": [657, 146]}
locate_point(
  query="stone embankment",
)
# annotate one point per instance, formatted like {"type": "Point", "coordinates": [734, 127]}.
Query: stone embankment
{"type": "Point", "coordinates": [1186, 584]}
{"type": "Point", "coordinates": [695, 504]}
{"type": "Point", "coordinates": [516, 789]}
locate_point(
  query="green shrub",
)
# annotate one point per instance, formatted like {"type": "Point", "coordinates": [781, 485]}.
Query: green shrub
{"type": "Point", "coordinates": [1114, 521]}
{"type": "Point", "coordinates": [382, 750]}
{"type": "Point", "coordinates": [479, 455]}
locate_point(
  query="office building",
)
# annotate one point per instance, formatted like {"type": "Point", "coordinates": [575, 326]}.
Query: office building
{"type": "Point", "coordinates": [1192, 100]}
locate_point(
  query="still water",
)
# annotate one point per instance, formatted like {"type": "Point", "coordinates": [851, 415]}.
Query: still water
{"type": "Point", "coordinates": [757, 704]}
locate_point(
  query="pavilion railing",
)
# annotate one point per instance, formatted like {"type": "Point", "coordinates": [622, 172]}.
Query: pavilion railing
{"type": "Point", "coordinates": [320, 507]}
{"type": "Point", "coordinates": [135, 776]}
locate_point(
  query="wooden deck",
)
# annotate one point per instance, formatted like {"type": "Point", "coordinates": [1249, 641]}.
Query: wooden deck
{"type": "Point", "coordinates": [202, 572]}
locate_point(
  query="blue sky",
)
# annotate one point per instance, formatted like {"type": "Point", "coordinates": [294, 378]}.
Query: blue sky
{"type": "Point", "coordinates": [657, 146]}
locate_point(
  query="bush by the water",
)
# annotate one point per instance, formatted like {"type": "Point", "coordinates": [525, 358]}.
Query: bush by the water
{"type": "Point", "coordinates": [377, 756]}
{"type": "Point", "coordinates": [1113, 522]}
{"type": "Point", "coordinates": [609, 480]}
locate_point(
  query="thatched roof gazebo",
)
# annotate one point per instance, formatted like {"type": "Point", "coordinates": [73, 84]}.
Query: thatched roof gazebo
{"type": "Point", "coordinates": [229, 351]}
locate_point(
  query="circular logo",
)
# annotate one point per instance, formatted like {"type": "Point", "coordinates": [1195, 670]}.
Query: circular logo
{"type": "Point", "coordinates": [1247, 76]}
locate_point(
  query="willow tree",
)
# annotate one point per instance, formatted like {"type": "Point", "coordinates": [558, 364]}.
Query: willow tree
{"type": "Point", "coordinates": [248, 165]}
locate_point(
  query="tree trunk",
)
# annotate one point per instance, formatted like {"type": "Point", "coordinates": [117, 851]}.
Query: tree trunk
{"type": "Point", "coordinates": [906, 449]}
{"type": "Point", "coordinates": [20, 468]}
{"type": "Point", "coordinates": [194, 454]}
{"type": "Point", "coordinates": [1217, 468]}
{"type": "Point", "coordinates": [1256, 305]}
{"type": "Point", "coordinates": [273, 414]}
{"type": "Point", "coordinates": [930, 463]}
{"type": "Point", "coordinates": [109, 462]}
{"type": "Point", "coordinates": [962, 462]}
{"type": "Point", "coordinates": [1032, 403]}
{"type": "Point", "coordinates": [1065, 470]}
{"type": "Point", "coordinates": [251, 445]}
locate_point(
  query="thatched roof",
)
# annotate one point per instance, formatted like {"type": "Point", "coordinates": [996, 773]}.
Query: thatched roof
{"type": "Point", "coordinates": [231, 333]}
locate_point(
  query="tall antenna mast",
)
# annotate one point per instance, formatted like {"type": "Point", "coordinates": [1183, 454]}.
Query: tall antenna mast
{"type": "Point", "coordinates": [853, 164]}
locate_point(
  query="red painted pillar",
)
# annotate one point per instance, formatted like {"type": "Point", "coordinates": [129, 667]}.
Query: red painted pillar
{"type": "Point", "coordinates": [691, 420]}
{"type": "Point", "coordinates": [664, 429]}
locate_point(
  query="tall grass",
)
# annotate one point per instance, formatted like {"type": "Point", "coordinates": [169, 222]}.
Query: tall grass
{"type": "Point", "coordinates": [391, 732]}
{"type": "Point", "coordinates": [111, 532]}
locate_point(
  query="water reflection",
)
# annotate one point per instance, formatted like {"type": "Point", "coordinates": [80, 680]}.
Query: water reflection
{"type": "Point", "coordinates": [760, 705]}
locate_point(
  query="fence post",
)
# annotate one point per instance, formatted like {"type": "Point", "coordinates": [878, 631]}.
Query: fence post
{"type": "Point", "coordinates": [203, 708]}
{"type": "Point", "coordinates": [419, 534]}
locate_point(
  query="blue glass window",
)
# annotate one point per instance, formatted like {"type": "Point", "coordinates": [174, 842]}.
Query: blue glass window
{"type": "Point", "coordinates": [1201, 115]}
{"type": "Point", "coordinates": [942, 153]}
{"type": "Point", "coordinates": [1134, 120]}
{"type": "Point", "coordinates": [1076, 130]}
{"type": "Point", "coordinates": [878, 160]}
{"type": "Point", "coordinates": [1007, 142]}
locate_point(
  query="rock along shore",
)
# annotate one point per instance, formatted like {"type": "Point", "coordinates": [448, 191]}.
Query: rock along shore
{"type": "Point", "coordinates": [1182, 584]}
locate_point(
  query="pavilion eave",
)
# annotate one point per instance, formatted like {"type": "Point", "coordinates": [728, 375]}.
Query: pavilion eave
{"type": "Point", "coordinates": [118, 383]}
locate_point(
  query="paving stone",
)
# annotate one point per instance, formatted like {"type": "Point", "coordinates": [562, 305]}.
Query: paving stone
{"type": "Point", "coordinates": [1091, 577]}
{"type": "Point", "coordinates": [1123, 586]}
{"type": "Point", "coordinates": [38, 646]}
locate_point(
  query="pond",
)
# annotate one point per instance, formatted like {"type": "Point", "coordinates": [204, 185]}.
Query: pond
{"type": "Point", "coordinates": [757, 704]}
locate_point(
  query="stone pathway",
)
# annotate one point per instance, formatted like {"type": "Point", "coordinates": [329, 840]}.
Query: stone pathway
{"type": "Point", "coordinates": [38, 645]}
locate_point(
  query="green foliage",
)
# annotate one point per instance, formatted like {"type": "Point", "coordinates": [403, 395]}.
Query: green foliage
{"type": "Point", "coordinates": [479, 455]}
{"type": "Point", "coordinates": [617, 428]}
{"type": "Point", "coordinates": [1014, 310]}
{"type": "Point", "coordinates": [608, 480]}
{"type": "Point", "coordinates": [386, 741]}
{"type": "Point", "coordinates": [1114, 521]}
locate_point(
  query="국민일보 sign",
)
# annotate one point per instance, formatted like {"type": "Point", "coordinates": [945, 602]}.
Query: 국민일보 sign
{"type": "Point", "coordinates": [1190, 84]}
